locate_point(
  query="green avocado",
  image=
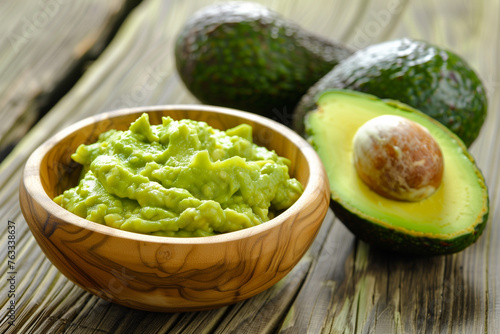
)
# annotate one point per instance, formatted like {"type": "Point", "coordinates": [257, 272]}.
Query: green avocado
{"type": "Point", "coordinates": [243, 55]}
{"type": "Point", "coordinates": [446, 222]}
{"type": "Point", "coordinates": [426, 77]}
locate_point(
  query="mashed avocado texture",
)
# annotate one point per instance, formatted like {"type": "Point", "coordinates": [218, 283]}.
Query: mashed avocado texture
{"type": "Point", "coordinates": [180, 178]}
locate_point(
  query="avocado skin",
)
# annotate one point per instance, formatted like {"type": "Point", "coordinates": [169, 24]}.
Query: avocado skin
{"type": "Point", "coordinates": [428, 78]}
{"type": "Point", "coordinates": [242, 55]}
{"type": "Point", "coordinates": [396, 241]}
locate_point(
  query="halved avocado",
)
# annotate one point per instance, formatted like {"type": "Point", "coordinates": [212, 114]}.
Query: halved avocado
{"type": "Point", "coordinates": [446, 222]}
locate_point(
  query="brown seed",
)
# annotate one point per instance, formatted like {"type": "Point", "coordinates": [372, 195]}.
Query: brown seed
{"type": "Point", "coordinates": [398, 158]}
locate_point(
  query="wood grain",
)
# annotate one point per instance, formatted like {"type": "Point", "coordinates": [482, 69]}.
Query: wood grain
{"type": "Point", "coordinates": [171, 274]}
{"type": "Point", "coordinates": [342, 285]}
{"type": "Point", "coordinates": [44, 48]}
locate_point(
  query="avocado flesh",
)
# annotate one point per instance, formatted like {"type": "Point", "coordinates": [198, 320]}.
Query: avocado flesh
{"type": "Point", "coordinates": [243, 55]}
{"type": "Point", "coordinates": [446, 222]}
{"type": "Point", "coordinates": [433, 80]}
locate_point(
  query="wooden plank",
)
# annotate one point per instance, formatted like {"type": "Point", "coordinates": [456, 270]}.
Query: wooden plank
{"type": "Point", "coordinates": [311, 309]}
{"type": "Point", "coordinates": [343, 286]}
{"type": "Point", "coordinates": [44, 48]}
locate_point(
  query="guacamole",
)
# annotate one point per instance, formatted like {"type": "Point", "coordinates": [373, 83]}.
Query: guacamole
{"type": "Point", "coordinates": [179, 178]}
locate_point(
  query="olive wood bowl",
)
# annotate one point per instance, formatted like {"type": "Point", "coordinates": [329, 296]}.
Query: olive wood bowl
{"type": "Point", "coordinates": [163, 273]}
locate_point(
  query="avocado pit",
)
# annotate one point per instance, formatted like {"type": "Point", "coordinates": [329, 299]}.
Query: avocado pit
{"type": "Point", "coordinates": [398, 158]}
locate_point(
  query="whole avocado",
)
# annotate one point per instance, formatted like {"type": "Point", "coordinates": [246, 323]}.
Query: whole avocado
{"type": "Point", "coordinates": [426, 77]}
{"type": "Point", "coordinates": [243, 55]}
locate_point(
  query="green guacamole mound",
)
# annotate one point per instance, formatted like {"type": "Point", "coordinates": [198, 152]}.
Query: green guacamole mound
{"type": "Point", "coordinates": [180, 178]}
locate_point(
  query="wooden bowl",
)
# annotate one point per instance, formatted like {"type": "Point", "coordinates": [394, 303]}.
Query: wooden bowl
{"type": "Point", "coordinates": [163, 273]}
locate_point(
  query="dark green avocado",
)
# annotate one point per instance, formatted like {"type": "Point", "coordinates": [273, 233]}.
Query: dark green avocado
{"type": "Point", "coordinates": [245, 56]}
{"type": "Point", "coordinates": [426, 77]}
{"type": "Point", "coordinates": [448, 221]}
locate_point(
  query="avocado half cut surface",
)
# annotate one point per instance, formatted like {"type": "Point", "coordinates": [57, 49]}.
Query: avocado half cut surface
{"type": "Point", "coordinates": [446, 222]}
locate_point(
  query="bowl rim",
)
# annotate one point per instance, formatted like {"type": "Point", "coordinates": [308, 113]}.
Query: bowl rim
{"type": "Point", "coordinates": [35, 189]}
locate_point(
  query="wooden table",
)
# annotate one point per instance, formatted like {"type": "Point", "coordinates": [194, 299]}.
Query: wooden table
{"type": "Point", "coordinates": [68, 60]}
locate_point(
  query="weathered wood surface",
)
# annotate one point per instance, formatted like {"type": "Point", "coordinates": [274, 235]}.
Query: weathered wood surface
{"type": "Point", "coordinates": [342, 285]}
{"type": "Point", "coordinates": [44, 46]}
